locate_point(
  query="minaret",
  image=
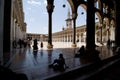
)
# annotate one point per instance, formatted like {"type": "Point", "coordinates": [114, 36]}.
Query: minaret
{"type": "Point", "coordinates": [68, 20]}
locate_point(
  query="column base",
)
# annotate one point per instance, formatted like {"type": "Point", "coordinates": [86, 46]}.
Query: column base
{"type": "Point", "coordinates": [102, 43]}
{"type": "Point", "coordinates": [49, 46]}
{"type": "Point", "coordinates": [93, 53]}
{"type": "Point", "coordinates": [74, 45]}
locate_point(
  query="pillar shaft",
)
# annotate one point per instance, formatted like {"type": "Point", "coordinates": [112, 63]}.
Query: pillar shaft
{"type": "Point", "coordinates": [74, 31]}
{"type": "Point", "coordinates": [90, 40]}
{"type": "Point", "coordinates": [74, 16]}
{"type": "Point", "coordinates": [101, 25]}
{"type": "Point", "coordinates": [50, 29]}
{"type": "Point", "coordinates": [1, 30]}
{"type": "Point", "coordinates": [50, 8]}
{"type": "Point", "coordinates": [117, 30]}
{"type": "Point", "coordinates": [7, 30]}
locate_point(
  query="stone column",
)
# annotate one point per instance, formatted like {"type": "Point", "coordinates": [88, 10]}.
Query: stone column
{"type": "Point", "coordinates": [74, 16]}
{"type": "Point", "coordinates": [50, 7]}
{"type": "Point", "coordinates": [67, 38]}
{"type": "Point", "coordinates": [12, 25]}
{"type": "Point", "coordinates": [71, 38]}
{"type": "Point", "coordinates": [112, 32]}
{"type": "Point", "coordinates": [117, 30]}
{"type": "Point", "coordinates": [90, 34]}
{"type": "Point", "coordinates": [16, 30]}
{"type": "Point", "coordinates": [7, 30]}
{"type": "Point", "coordinates": [108, 32]}
{"type": "Point", "coordinates": [101, 25]}
{"type": "Point", "coordinates": [1, 30]}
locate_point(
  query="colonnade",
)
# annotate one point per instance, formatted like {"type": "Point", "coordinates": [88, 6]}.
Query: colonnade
{"type": "Point", "coordinates": [5, 23]}
{"type": "Point", "coordinates": [102, 11]}
{"type": "Point", "coordinates": [12, 27]}
{"type": "Point", "coordinates": [67, 35]}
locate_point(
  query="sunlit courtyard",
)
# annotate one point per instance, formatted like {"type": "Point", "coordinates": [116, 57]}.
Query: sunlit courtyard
{"type": "Point", "coordinates": [35, 64]}
{"type": "Point", "coordinates": [59, 45]}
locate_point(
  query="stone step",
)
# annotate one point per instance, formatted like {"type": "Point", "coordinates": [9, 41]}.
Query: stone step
{"type": "Point", "coordinates": [87, 71]}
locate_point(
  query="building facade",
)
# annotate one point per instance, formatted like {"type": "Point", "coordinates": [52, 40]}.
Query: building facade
{"type": "Point", "coordinates": [18, 26]}
{"type": "Point", "coordinates": [12, 27]}
{"type": "Point", "coordinates": [66, 35]}
{"type": "Point", "coordinates": [39, 37]}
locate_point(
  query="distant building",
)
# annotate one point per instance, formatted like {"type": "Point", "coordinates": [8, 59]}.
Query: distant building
{"type": "Point", "coordinates": [40, 37]}
{"type": "Point", "coordinates": [66, 35]}
{"type": "Point", "coordinates": [18, 26]}
{"type": "Point", "coordinates": [68, 21]}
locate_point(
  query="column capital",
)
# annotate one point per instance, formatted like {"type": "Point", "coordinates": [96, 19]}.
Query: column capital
{"type": "Point", "coordinates": [74, 45]}
{"type": "Point", "coordinates": [74, 15]}
{"type": "Point", "coordinates": [50, 8]}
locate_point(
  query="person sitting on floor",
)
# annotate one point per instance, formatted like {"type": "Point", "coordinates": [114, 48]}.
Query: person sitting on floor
{"type": "Point", "coordinates": [82, 50]}
{"type": "Point", "coordinates": [59, 63]}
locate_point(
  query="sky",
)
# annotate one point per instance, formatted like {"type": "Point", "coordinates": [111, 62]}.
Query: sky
{"type": "Point", "coordinates": [36, 16]}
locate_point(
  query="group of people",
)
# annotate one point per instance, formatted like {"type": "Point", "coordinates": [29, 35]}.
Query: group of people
{"type": "Point", "coordinates": [24, 43]}
{"type": "Point", "coordinates": [21, 43]}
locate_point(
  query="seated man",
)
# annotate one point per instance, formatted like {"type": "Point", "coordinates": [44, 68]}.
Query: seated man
{"type": "Point", "coordinates": [59, 63]}
{"type": "Point", "coordinates": [82, 50]}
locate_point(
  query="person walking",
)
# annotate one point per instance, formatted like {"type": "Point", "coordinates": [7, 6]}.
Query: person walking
{"type": "Point", "coordinates": [41, 44]}
{"type": "Point", "coordinates": [35, 47]}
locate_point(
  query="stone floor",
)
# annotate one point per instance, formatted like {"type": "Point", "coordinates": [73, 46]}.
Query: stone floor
{"type": "Point", "coordinates": [35, 64]}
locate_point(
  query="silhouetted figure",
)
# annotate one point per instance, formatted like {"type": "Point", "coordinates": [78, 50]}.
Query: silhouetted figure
{"type": "Point", "coordinates": [59, 64]}
{"type": "Point", "coordinates": [29, 43]}
{"type": "Point", "coordinates": [82, 50]}
{"type": "Point", "coordinates": [108, 43]}
{"type": "Point", "coordinates": [61, 61]}
{"type": "Point", "coordinates": [20, 43]}
{"type": "Point", "coordinates": [8, 74]}
{"type": "Point", "coordinates": [35, 47]}
{"type": "Point", "coordinates": [41, 44]}
{"type": "Point", "coordinates": [77, 40]}
{"type": "Point", "coordinates": [25, 43]}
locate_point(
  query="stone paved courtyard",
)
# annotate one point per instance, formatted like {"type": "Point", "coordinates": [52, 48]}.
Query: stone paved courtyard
{"type": "Point", "coordinates": [35, 64]}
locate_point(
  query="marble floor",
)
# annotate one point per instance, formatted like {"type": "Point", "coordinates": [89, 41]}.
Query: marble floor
{"type": "Point", "coordinates": [35, 64]}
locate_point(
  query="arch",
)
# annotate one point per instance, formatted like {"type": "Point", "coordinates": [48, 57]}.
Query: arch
{"type": "Point", "coordinates": [72, 5]}
{"type": "Point", "coordinates": [81, 18]}
{"type": "Point", "coordinates": [99, 15]}
{"type": "Point", "coordinates": [84, 6]}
